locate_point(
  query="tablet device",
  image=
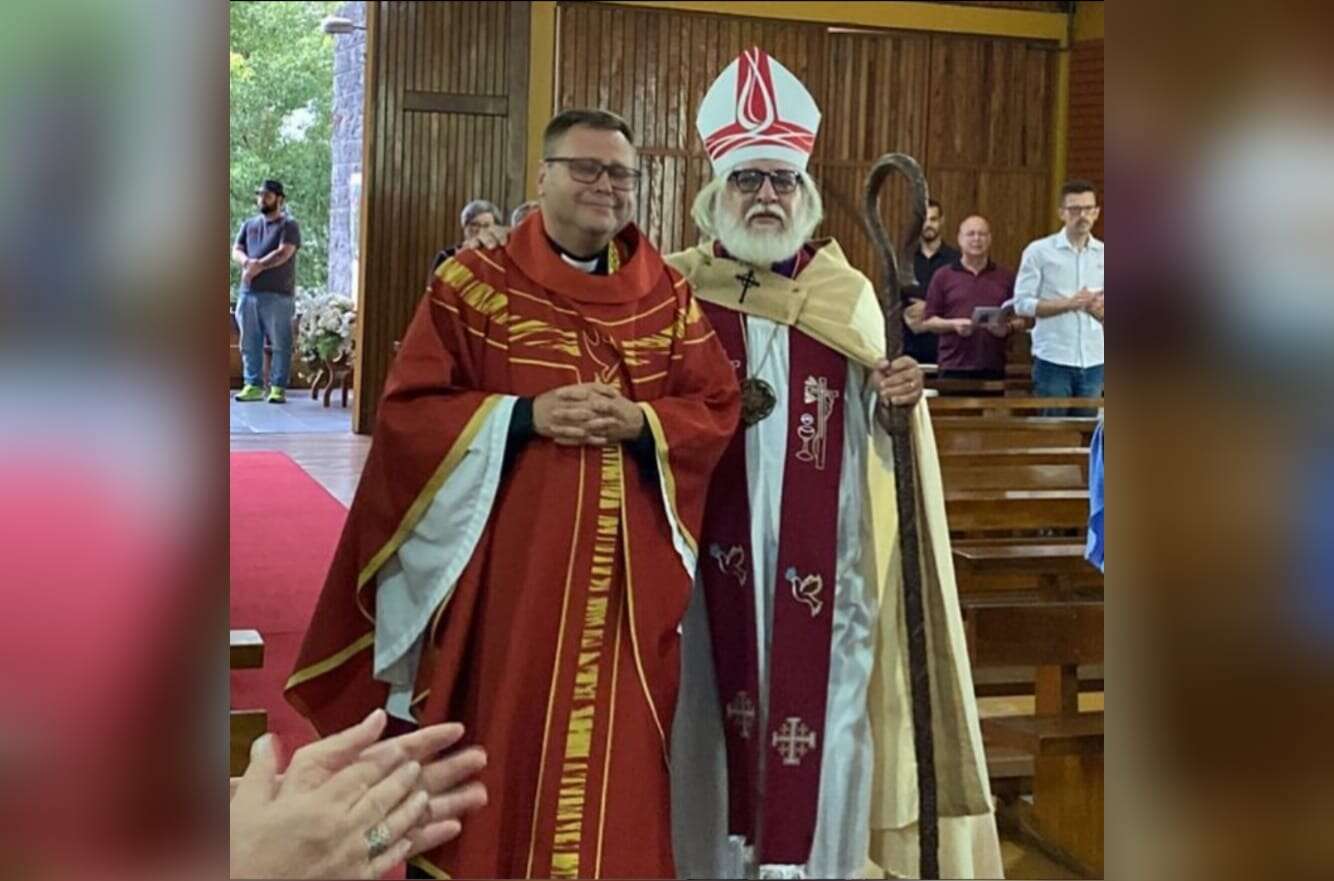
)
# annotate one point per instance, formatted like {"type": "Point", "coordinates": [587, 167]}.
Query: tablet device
{"type": "Point", "coordinates": [987, 314]}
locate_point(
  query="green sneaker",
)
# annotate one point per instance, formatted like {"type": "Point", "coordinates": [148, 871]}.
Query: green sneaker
{"type": "Point", "coordinates": [277, 395]}
{"type": "Point", "coordinates": [251, 393]}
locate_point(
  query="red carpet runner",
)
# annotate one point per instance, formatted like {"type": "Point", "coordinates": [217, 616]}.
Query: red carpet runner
{"type": "Point", "coordinates": [284, 527]}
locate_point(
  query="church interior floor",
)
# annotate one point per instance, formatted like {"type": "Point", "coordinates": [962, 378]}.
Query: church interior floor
{"type": "Point", "coordinates": [301, 413]}
{"type": "Point", "coordinates": [1022, 861]}
{"type": "Point", "coordinates": [335, 459]}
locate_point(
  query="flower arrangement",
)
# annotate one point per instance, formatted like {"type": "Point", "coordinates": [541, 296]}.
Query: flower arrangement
{"type": "Point", "coordinates": [325, 326]}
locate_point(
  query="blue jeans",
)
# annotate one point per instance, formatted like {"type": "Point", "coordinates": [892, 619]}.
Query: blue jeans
{"type": "Point", "coordinates": [1059, 381]}
{"type": "Point", "coordinates": [260, 315]}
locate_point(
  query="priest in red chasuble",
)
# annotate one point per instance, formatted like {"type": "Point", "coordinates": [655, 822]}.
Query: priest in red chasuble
{"type": "Point", "coordinates": [793, 739]}
{"type": "Point", "coordinates": [522, 545]}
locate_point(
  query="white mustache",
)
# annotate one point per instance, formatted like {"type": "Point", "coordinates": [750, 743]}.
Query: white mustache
{"type": "Point", "coordinates": [771, 210]}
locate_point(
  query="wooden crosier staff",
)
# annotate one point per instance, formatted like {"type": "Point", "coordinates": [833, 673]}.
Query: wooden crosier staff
{"type": "Point", "coordinates": [895, 420]}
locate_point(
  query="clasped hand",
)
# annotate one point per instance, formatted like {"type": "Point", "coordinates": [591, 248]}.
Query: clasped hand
{"type": "Point", "coordinates": [591, 413]}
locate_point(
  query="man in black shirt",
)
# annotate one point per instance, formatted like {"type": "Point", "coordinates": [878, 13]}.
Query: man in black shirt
{"type": "Point", "coordinates": [265, 248]}
{"type": "Point", "coordinates": [931, 254]}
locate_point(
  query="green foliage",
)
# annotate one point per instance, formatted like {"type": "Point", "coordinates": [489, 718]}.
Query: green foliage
{"type": "Point", "coordinates": [281, 68]}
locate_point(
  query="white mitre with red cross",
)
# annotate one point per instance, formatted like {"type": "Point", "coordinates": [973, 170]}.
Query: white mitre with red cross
{"type": "Point", "coordinates": [757, 109]}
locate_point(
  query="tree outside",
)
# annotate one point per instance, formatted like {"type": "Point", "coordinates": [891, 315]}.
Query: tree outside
{"type": "Point", "coordinates": [281, 67]}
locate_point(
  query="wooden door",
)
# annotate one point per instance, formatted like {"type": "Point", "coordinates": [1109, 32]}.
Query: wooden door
{"type": "Point", "coordinates": [445, 123]}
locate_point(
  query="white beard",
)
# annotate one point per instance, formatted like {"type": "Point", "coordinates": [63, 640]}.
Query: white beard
{"type": "Point", "coordinates": [762, 248]}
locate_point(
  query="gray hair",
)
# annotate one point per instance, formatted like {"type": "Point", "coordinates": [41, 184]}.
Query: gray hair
{"type": "Point", "coordinates": [476, 208]}
{"type": "Point", "coordinates": [518, 214]}
{"type": "Point", "coordinates": [707, 199]}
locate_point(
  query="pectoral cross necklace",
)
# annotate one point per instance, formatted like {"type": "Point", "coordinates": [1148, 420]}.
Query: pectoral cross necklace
{"type": "Point", "coordinates": [757, 396]}
{"type": "Point", "coordinates": [748, 281]}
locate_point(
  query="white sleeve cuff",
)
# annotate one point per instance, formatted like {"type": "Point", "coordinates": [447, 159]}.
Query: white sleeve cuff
{"type": "Point", "coordinates": [422, 573]}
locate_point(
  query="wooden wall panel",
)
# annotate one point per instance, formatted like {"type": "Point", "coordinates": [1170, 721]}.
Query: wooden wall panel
{"type": "Point", "coordinates": [1084, 156]}
{"type": "Point", "coordinates": [975, 111]}
{"type": "Point", "coordinates": [874, 102]}
{"type": "Point", "coordinates": [958, 113]}
{"type": "Point", "coordinates": [653, 67]}
{"type": "Point", "coordinates": [989, 143]}
{"type": "Point", "coordinates": [1017, 205]}
{"type": "Point", "coordinates": [446, 122]}
{"type": "Point", "coordinates": [956, 190]}
{"type": "Point", "coordinates": [1015, 4]}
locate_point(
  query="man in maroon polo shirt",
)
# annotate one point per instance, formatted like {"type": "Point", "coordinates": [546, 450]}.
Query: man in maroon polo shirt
{"type": "Point", "coordinates": [968, 350]}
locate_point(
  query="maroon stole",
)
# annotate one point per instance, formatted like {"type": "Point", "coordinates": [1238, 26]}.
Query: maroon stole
{"type": "Point", "coordinates": [793, 743]}
{"type": "Point", "coordinates": [728, 574]}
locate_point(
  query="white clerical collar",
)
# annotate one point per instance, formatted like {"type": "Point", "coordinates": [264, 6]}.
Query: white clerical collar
{"type": "Point", "coordinates": [589, 266]}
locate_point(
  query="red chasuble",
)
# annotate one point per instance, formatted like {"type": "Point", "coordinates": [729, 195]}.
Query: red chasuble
{"type": "Point", "coordinates": [558, 646]}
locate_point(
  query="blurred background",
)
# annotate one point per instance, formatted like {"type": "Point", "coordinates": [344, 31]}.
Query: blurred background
{"type": "Point", "coordinates": [1220, 150]}
{"type": "Point", "coordinates": [113, 157]}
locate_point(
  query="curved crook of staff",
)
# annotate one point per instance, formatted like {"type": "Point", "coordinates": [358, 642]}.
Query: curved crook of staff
{"type": "Point", "coordinates": [895, 421]}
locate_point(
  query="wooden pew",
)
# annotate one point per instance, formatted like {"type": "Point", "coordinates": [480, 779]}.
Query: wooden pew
{"type": "Point", "coordinates": [1021, 681]}
{"type": "Point", "coordinates": [1020, 386]}
{"type": "Point", "coordinates": [1032, 501]}
{"type": "Point", "coordinates": [1066, 817]}
{"type": "Point", "coordinates": [949, 424]}
{"type": "Point", "coordinates": [1010, 437]}
{"type": "Point", "coordinates": [955, 461]}
{"type": "Point", "coordinates": [247, 652]}
{"type": "Point", "coordinates": [1025, 562]}
{"type": "Point", "coordinates": [1031, 510]}
{"type": "Point", "coordinates": [1050, 568]}
{"type": "Point", "coordinates": [962, 433]}
{"type": "Point", "coordinates": [1017, 504]}
{"type": "Point", "coordinates": [1008, 632]}
{"type": "Point", "coordinates": [1005, 407]}
{"type": "Point", "coordinates": [1020, 491]}
{"type": "Point", "coordinates": [1038, 475]}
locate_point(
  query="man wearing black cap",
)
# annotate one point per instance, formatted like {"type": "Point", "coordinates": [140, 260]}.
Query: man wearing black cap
{"type": "Point", "coordinates": [266, 249]}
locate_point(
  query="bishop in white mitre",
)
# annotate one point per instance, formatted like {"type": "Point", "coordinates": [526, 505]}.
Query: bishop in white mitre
{"type": "Point", "coordinates": [792, 747]}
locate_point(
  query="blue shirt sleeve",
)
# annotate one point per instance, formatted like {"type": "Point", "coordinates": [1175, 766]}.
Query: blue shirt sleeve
{"type": "Point", "coordinates": [1097, 538]}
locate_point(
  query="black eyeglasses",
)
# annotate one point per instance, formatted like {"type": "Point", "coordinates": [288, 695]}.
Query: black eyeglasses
{"type": "Point", "coordinates": [750, 180]}
{"type": "Point", "coordinates": [1080, 209]}
{"type": "Point", "coordinates": [588, 171]}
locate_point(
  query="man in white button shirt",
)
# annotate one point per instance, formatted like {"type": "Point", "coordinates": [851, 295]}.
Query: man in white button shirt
{"type": "Point", "coordinates": [1060, 284]}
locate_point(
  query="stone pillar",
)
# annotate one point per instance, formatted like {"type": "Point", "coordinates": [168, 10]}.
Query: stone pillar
{"type": "Point", "coordinates": [348, 90]}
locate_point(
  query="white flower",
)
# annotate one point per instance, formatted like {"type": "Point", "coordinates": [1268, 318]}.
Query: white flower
{"type": "Point", "coordinates": [325, 316]}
